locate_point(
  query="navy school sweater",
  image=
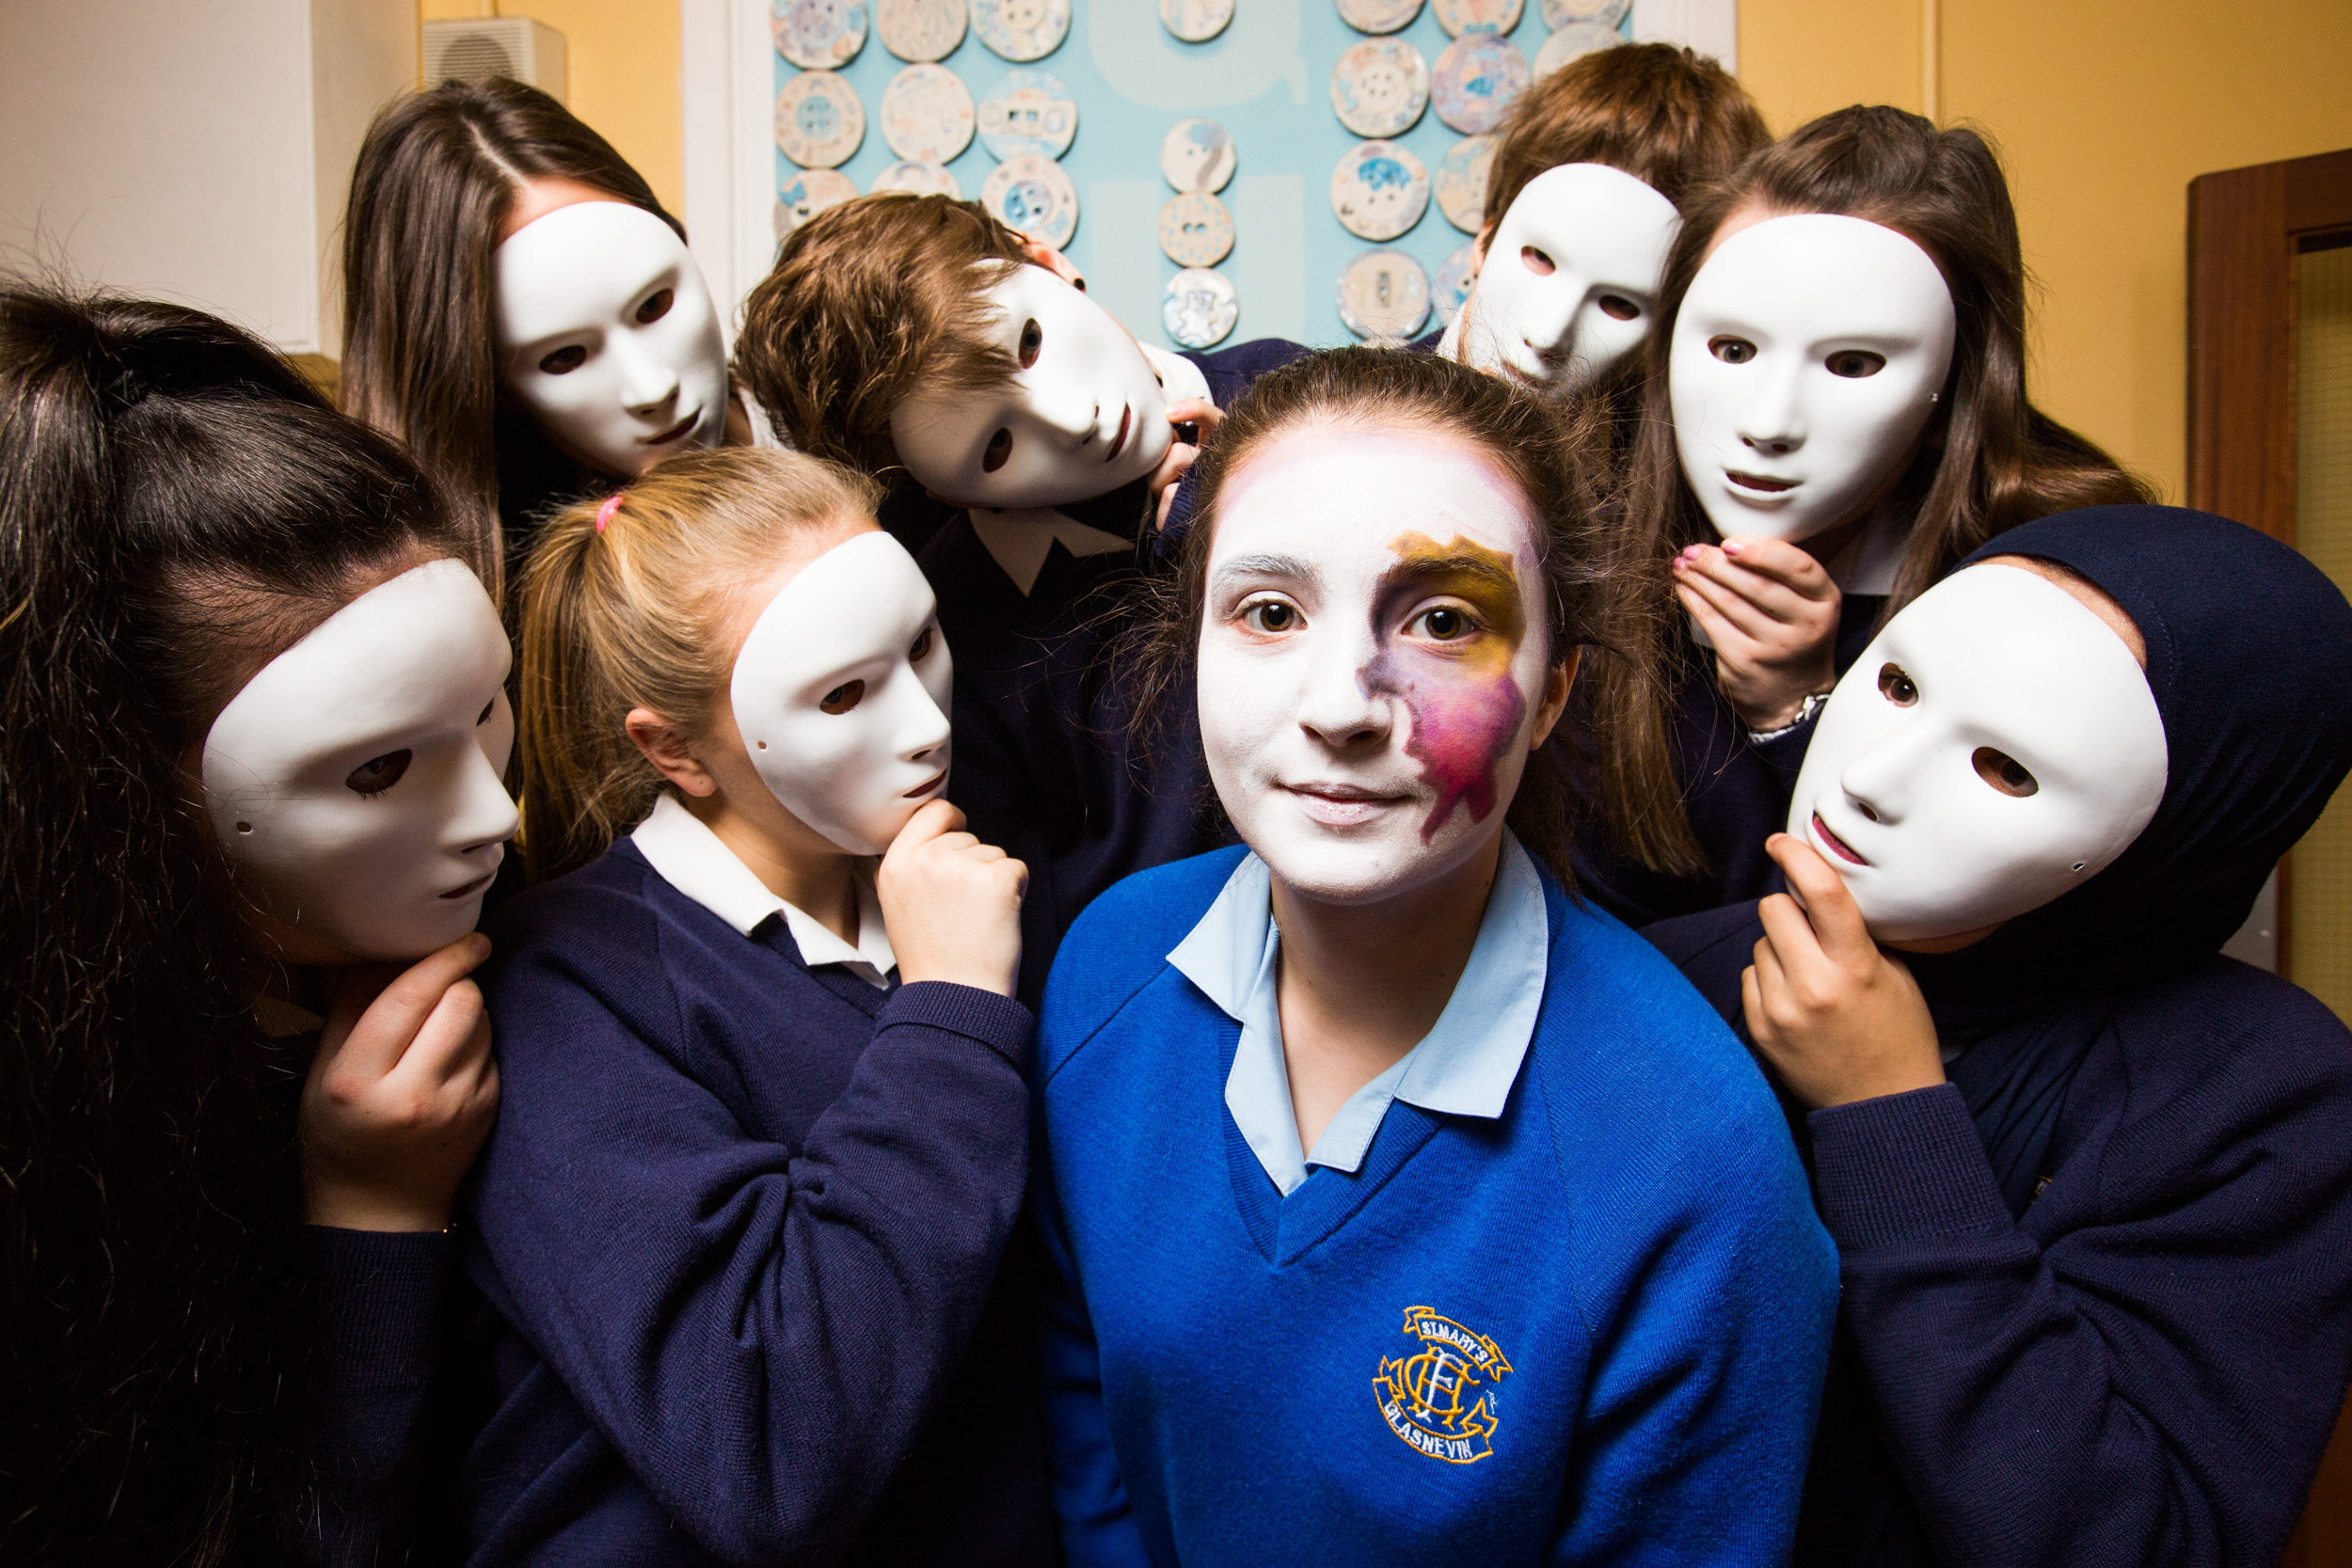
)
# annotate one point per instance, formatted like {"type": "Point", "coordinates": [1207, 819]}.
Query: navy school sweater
{"type": "Point", "coordinates": [2134, 1354]}
{"type": "Point", "coordinates": [1048, 763]}
{"type": "Point", "coordinates": [739, 1229]}
{"type": "Point", "coordinates": [1625, 1268]}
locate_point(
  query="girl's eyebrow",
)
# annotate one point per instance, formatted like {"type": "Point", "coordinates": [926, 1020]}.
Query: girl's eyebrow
{"type": "Point", "coordinates": [1266, 566]}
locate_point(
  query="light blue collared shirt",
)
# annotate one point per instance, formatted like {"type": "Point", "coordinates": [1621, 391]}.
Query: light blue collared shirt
{"type": "Point", "coordinates": [1464, 1067]}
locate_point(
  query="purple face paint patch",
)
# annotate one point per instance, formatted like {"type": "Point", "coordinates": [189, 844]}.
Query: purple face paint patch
{"type": "Point", "coordinates": [1453, 675]}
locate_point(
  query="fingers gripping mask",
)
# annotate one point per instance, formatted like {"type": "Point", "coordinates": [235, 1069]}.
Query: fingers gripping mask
{"type": "Point", "coordinates": [1997, 746]}
{"type": "Point", "coordinates": [1373, 656]}
{"type": "Point", "coordinates": [607, 337]}
{"type": "Point", "coordinates": [841, 693]}
{"type": "Point", "coordinates": [1570, 278]}
{"type": "Point", "coordinates": [1807, 359]}
{"type": "Point", "coordinates": [355, 782]}
{"type": "Point", "coordinates": [1081, 416]}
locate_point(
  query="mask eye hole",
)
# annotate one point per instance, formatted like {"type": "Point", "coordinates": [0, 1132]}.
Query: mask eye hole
{"type": "Point", "coordinates": [842, 698]}
{"type": "Point", "coordinates": [922, 648]}
{"type": "Point", "coordinates": [378, 774]}
{"type": "Point", "coordinates": [1618, 307]}
{"type": "Point", "coordinates": [1895, 686]}
{"type": "Point", "coordinates": [1000, 451]}
{"type": "Point", "coordinates": [1032, 339]}
{"type": "Point", "coordinates": [655, 307]}
{"type": "Point", "coordinates": [1856, 363]}
{"type": "Point", "coordinates": [2004, 772]}
{"type": "Point", "coordinates": [484, 717]}
{"type": "Point", "coordinates": [1731, 350]}
{"type": "Point", "coordinates": [1536, 262]}
{"type": "Point", "coordinates": [563, 361]}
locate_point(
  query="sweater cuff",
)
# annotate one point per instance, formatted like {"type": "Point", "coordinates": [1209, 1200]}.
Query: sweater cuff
{"type": "Point", "coordinates": [1783, 750]}
{"type": "Point", "coordinates": [1903, 1168]}
{"type": "Point", "coordinates": [999, 1022]}
{"type": "Point", "coordinates": [379, 1295]}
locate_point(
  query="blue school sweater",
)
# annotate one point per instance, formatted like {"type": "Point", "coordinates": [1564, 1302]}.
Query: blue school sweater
{"type": "Point", "coordinates": [1592, 1330]}
{"type": "Point", "coordinates": [739, 1229]}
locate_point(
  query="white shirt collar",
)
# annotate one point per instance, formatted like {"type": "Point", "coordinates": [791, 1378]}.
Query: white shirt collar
{"type": "Point", "coordinates": [1464, 1067]}
{"type": "Point", "coordinates": [697, 863]}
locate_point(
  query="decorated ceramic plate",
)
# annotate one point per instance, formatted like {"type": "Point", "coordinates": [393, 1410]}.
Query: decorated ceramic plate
{"type": "Point", "coordinates": [1196, 230]}
{"type": "Point", "coordinates": [1030, 111]}
{"type": "Point", "coordinates": [1383, 295]}
{"type": "Point", "coordinates": [1559, 13]}
{"type": "Point", "coordinates": [1379, 16]}
{"type": "Point", "coordinates": [919, 30]}
{"type": "Point", "coordinates": [919, 178]}
{"type": "Point", "coordinates": [1476, 16]}
{"type": "Point", "coordinates": [819, 120]}
{"type": "Point", "coordinates": [1199, 308]}
{"type": "Point", "coordinates": [1573, 42]}
{"type": "Point", "coordinates": [809, 193]}
{"type": "Point", "coordinates": [819, 35]}
{"type": "Point", "coordinates": [1381, 86]}
{"type": "Point", "coordinates": [1460, 182]}
{"type": "Point", "coordinates": [1033, 195]}
{"type": "Point", "coordinates": [1379, 190]}
{"type": "Point", "coordinates": [1196, 155]}
{"type": "Point", "coordinates": [1022, 30]}
{"type": "Point", "coordinates": [926, 114]}
{"type": "Point", "coordinates": [1451, 287]}
{"type": "Point", "coordinates": [1475, 80]}
{"type": "Point", "coordinates": [1196, 21]}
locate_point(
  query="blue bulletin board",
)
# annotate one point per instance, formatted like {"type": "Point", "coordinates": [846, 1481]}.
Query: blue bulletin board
{"type": "Point", "coordinates": [1266, 78]}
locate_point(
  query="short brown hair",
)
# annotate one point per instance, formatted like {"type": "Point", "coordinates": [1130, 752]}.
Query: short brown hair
{"type": "Point", "coordinates": [627, 608]}
{"type": "Point", "coordinates": [867, 302]}
{"type": "Point", "coordinates": [1662, 113]}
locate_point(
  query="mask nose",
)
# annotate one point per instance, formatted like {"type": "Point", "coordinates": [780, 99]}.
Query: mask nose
{"type": "Point", "coordinates": [485, 814]}
{"type": "Point", "coordinates": [1773, 424]}
{"type": "Point", "coordinates": [646, 384]}
{"type": "Point", "coordinates": [1074, 414]}
{"type": "Point", "coordinates": [1336, 703]}
{"type": "Point", "coordinates": [1878, 784]}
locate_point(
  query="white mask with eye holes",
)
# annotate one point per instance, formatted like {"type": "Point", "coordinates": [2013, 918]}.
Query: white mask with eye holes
{"type": "Point", "coordinates": [1570, 279]}
{"type": "Point", "coordinates": [607, 337]}
{"type": "Point", "coordinates": [354, 783]}
{"type": "Point", "coordinates": [1807, 359]}
{"type": "Point", "coordinates": [1081, 416]}
{"type": "Point", "coordinates": [841, 693]}
{"type": "Point", "coordinates": [1995, 747]}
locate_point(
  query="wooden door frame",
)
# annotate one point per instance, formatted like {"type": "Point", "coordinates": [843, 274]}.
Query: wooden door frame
{"type": "Point", "coordinates": [2246, 228]}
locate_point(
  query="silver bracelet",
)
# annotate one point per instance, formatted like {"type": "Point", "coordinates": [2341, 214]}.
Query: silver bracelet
{"type": "Point", "coordinates": [1812, 703]}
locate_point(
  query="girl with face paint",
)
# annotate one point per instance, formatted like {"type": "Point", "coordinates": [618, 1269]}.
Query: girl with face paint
{"type": "Point", "coordinates": [254, 737]}
{"type": "Point", "coordinates": [1835, 414]}
{"type": "Point", "coordinates": [1402, 1209]}
{"type": "Point", "coordinates": [918, 339]}
{"type": "Point", "coordinates": [521, 309]}
{"type": "Point", "coordinates": [2091, 1181]}
{"type": "Point", "coordinates": [764, 1128]}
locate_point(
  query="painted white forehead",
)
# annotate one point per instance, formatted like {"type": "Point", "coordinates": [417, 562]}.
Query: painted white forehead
{"type": "Point", "coordinates": [1817, 256]}
{"type": "Point", "coordinates": [1589, 191]}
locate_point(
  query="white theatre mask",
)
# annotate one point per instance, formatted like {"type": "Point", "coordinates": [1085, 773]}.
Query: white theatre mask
{"type": "Point", "coordinates": [1374, 661]}
{"type": "Point", "coordinates": [1806, 361]}
{"type": "Point", "coordinates": [841, 693]}
{"type": "Point", "coordinates": [1081, 416]}
{"type": "Point", "coordinates": [1570, 278]}
{"type": "Point", "coordinates": [1997, 746]}
{"type": "Point", "coordinates": [354, 783]}
{"type": "Point", "coordinates": [608, 338]}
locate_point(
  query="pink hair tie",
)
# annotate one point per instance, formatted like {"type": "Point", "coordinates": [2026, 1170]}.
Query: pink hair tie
{"type": "Point", "coordinates": [604, 513]}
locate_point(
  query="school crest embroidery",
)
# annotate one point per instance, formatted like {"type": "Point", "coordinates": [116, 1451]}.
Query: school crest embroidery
{"type": "Point", "coordinates": [1439, 1399]}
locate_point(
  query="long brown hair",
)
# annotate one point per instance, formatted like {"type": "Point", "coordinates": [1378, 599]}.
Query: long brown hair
{"type": "Point", "coordinates": [627, 608]}
{"type": "Point", "coordinates": [1546, 451]}
{"type": "Point", "coordinates": [434, 182]}
{"type": "Point", "coordinates": [1989, 460]}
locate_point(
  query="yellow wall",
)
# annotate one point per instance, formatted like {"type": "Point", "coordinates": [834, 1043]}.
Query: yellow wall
{"type": "Point", "coordinates": [624, 68]}
{"type": "Point", "coordinates": [2104, 111]}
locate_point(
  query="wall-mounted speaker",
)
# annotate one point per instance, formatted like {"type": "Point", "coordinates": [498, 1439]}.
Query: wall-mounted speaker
{"type": "Point", "coordinates": [474, 51]}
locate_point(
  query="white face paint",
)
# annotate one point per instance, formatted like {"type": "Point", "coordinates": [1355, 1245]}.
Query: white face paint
{"type": "Point", "coordinates": [1083, 416]}
{"type": "Point", "coordinates": [1805, 362]}
{"type": "Point", "coordinates": [1373, 656]}
{"type": "Point", "coordinates": [355, 782]}
{"type": "Point", "coordinates": [607, 337]}
{"type": "Point", "coordinates": [1572, 270]}
{"type": "Point", "coordinates": [841, 693]}
{"type": "Point", "coordinates": [1995, 747]}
